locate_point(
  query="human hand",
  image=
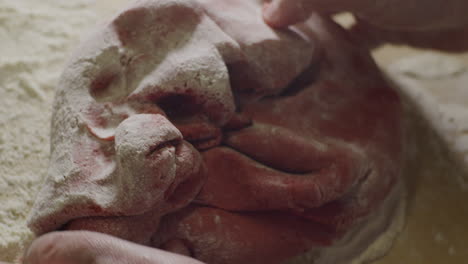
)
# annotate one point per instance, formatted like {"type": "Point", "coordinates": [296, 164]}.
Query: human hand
{"type": "Point", "coordinates": [403, 15]}
{"type": "Point", "coordinates": [429, 24]}
{"type": "Point", "coordinates": [83, 247]}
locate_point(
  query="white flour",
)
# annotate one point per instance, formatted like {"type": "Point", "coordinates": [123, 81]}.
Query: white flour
{"type": "Point", "coordinates": [35, 39]}
{"type": "Point", "coordinates": [437, 85]}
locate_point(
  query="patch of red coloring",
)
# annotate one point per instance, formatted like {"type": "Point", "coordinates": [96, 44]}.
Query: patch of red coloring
{"type": "Point", "coordinates": [99, 86]}
{"type": "Point", "coordinates": [92, 157]}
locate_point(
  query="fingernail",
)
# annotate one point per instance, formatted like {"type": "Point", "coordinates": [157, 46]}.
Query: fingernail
{"type": "Point", "coordinates": [267, 11]}
{"type": "Point", "coordinates": [270, 14]}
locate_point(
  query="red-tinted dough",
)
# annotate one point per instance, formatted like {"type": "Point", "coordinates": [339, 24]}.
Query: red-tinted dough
{"type": "Point", "coordinates": [194, 127]}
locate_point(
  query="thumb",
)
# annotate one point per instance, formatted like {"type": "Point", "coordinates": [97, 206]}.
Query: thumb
{"type": "Point", "coordinates": [84, 247]}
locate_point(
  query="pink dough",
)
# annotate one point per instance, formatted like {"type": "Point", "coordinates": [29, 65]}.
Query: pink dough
{"type": "Point", "coordinates": [192, 126]}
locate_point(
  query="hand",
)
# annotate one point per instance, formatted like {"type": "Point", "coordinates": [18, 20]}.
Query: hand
{"type": "Point", "coordinates": [436, 24]}
{"type": "Point", "coordinates": [84, 247]}
{"type": "Point", "coordinates": [420, 15]}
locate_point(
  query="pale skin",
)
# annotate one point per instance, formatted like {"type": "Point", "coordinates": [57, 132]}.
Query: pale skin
{"type": "Point", "coordinates": [400, 15]}
{"type": "Point", "coordinates": [437, 24]}
{"type": "Point", "coordinates": [84, 247]}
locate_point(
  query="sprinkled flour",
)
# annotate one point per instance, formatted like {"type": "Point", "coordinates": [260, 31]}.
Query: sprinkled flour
{"type": "Point", "coordinates": [437, 84]}
{"type": "Point", "coordinates": [36, 37]}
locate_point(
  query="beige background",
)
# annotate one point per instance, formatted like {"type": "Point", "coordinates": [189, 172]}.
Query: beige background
{"type": "Point", "coordinates": [436, 230]}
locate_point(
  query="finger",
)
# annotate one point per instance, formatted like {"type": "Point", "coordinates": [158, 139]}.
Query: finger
{"type": "Point", "coordinates": [83, 247]}
{"type": "Point", "coordinates": [282, 13]}
{"type": "Point", "coordinates": [366, 34]}
{"type": "Point", "coordinates": [453, 40]}
{"type": "Point", "coordinates": [59, 248]}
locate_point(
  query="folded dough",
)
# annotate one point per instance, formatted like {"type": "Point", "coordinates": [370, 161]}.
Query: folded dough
{"type": "Point", "coordinates": [194, 127]}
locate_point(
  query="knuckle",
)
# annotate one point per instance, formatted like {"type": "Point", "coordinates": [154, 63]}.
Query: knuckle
{"type": "Point", "coordinates": [60, 247]}
{"type": "Point", "coordinates": [46, 248]}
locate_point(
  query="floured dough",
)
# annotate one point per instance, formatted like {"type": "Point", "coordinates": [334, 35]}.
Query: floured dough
{"type": "Point", "coordinates": [175, 127]}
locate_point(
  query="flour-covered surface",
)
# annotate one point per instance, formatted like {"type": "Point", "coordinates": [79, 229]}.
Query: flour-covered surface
{"type": "Point", "coordinates": [35, 40]}
{"type": "Point", "coordinates": [435, 230]}
{"type": "Point", "coordinates": [438, 85]}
